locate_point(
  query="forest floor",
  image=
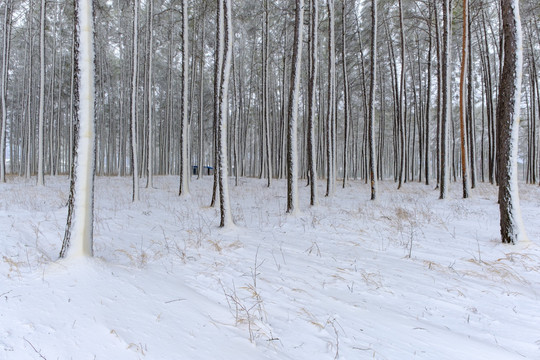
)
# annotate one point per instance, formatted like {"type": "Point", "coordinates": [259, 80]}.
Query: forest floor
{"type": "Point", "coordinates": [405, 277]}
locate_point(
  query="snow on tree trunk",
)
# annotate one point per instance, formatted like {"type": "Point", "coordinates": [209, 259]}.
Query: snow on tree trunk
{"type": "Point", "coordinates": [79, 229]}
{"type": "Point", "coordinates": [512, 229]}
{"type": "Point", "coordinates": [372, 152]}
{"type": "Point", "coordinates": [225, 208]}
{"type": "Point", "coordinates": [41, 159]}
{"type": "Point", "coordinates": [150, 152]}
{"type": "Point", "coordinates": [3, 89]}
{"type": "Point", "coordinates": [331, 112]}
{"type": "Point", "coordinates": [133, 128]}
{"type": "Point", "coordinates": [218, 63]}
{"type": "Point", "coordinates": [314, 65]}
{"type": "Point", "coordinates": [292, 151]}
{"type": "Point", "coordinates": [401, 108]}
{"type": "Point", "coordinates": [184, 159]}
{"type": "Point", "coordinates": [462, 104]}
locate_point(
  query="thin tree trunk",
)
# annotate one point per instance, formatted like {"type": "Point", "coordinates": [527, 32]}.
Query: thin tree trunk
{"type": "Point", "coordinates": [401, 108]}
{"type": "Point", "coordinates": [314, 60]}
{"type": "Point", "coordinates": [462, 102]}
{"type": "Point", "coordinates": [150, 142]}
{"type": "Point", "coordinates": [346, 96]}
{"type": "Point", "coordinates": [446, 99]}
{"type": "Point", "coordinates": [218, 64]}
{"type": "Point", "coordinates": [331, 111]}
{"type": "Point", "coordinates": [184, 108]}
{"type": "Point", "coordinates": [373, 67]}
{"type": "Point", "coordinates": [3, 89]}
{"type": "Point", "coordinates": [226, 217]}
{"type": "Point", "coordinates": [41, 158]}
{"type": "Point", "coordinates": [133, 115]}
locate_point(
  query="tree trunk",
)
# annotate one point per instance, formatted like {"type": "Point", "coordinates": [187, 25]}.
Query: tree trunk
{"type": "Point", "coordinates": [401, 107]}
{"type": "Point", "coordinates": [372, 79]}
{"type": "Point", "coordinates": [133, 115]}
{"type": "Point", "coordinates": [314, 66]}
{"type": "Point", "coordinates": [462, 102]}
{"type": "Point", "coordinates": [184, 108]}
{"type": "Point", "coordinates": [331, 111]}
{"type": "Point", "coordinates": [78, 237]}
{"type": "Point", "coordinates": [446, 99]}
{"type": "Point", "coordinates": [3, 89]}
{"type": "Point", "coordinates": [149, 93]}
{"type": "Point", "coordinates": [226, 218]}
{"type": "Point", "coordinates": [508, 106]}
{"type": "Point", "coordinates": [218, 64]}
{"type": "Point", "coordinates": [41, 158]}
{"type": "Point", "coordinates": [294, 93]}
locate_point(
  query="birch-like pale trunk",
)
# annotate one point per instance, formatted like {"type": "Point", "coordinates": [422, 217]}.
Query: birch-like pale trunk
{"type": "Point", "coordinates": [78, 237]}
{"type": "Point", "coordinates": [294, 94]}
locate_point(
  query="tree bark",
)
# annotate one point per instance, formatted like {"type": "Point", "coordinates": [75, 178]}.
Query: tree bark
{"type": "Point", "coordinates": [184, 108]}
{"type": "Point", "coordinates": [508, 108]}
{"type": "Point", "coordinates": [314, 67]}
{"type": "Point", "coordinates": [372, 84]}
{"type": "Point", "coordinates": [226, 218]}
{"type": "Point", "coordinates": [78, 237]}
{"type": "Point", "coordinates": [462, 102]}
{"type": "Point", "coordinates": [294, 93]}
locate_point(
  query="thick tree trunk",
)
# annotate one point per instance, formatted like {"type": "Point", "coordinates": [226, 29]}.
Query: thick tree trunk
{"type": "Point", "coordinates": [294, 94]}
{"type": "Point", "coordinates": [78, 237]}
{"type": "Point", "coordinates": [508, 108]}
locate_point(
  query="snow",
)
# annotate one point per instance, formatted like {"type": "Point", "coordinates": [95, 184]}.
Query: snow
{"type": "Point", "coordinates": [406, 277]}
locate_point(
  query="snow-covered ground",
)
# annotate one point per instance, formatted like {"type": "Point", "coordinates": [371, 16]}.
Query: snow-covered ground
{"type": "Point", "coordinates": [406, 277]}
